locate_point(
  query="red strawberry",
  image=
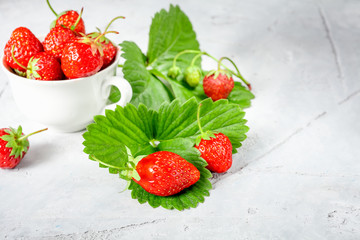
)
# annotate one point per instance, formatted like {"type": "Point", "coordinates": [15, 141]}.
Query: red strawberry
{"type": "Point", "coordinates": [216, 149]}
{"type": "Point", "coordinates": [13, 146]}
{"type": "Point", "coordinates": [81, 57]}
{"type": "Point", "coordinates": [44, 66]}
{"type": "Point", "coordinates": [165, 173]}
{"type": "Point", "coordinates": [218, 85]}
{"type": "Point", "coordinates": [109, 49]}
{"type": "Point", "coordinates": [217, 152]}
{"type": "Point", "coordinates": [25, 46]}
{"type": "Point", "coordinates": [56, 39]}
{"type": "Point", "coordinates": [69, 19]}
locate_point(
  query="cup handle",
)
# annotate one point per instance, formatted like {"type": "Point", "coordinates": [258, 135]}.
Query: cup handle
{"type": "Point", "coordinates": [124, 88]}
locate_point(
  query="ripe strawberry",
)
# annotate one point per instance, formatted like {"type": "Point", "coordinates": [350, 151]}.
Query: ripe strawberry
{"type": "Point", "coordinates": [165, 173]}
{"type": "Point", "coordinates": [44, 66]}
{"type": "Point", "coordinates": [25, 46]}
{"type": "Point", "coordinates": [13, 146]}
{"type": "Point", "coordinates": [81, 57]}
{"type": "Point", "coordinates": [109, 49]}
{"type": "Point", "coordinates": [56, 39]}
{"type": "Point", "coordinates": [218, 85]}
{"type": "Point", "coordinates": [69, 19]}
{"type": "Point", "coordinates": [217, 152]}
{"type": "Point", "coordinates": [215, 148]}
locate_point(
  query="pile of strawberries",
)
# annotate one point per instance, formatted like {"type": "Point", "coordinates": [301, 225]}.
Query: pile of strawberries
{"type": "Point", "coordinates": [67, 52]}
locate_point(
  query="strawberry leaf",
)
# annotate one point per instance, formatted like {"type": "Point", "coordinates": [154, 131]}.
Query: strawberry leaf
{"type": "Point", "coordinates": [171, 32]}
{"type": "Point", "coordinates": [177, 120]}
{"type": "Point", "coordinates": [143, 83]}
{"type": "Point", "coordinates": [172, 128]}
{"type": "Point", "coordinates": [240, 95]}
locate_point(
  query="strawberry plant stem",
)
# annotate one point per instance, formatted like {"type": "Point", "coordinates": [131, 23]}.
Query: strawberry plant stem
{"type": "Point", "coordinates": [77, 20]}
{"type": "Point", "coordinates": [28, 135]}
{"type": "Point", "coordinates": [109, 165]}
{"type": "Point", "coordinates": [183, 52]}
{"type": "Point", "coordinates": [107, 27]}
{"type": "Point", "coordinates": [51, 8]}
{"type": "Point", "coordinates": [198, 119]}
{"type": "Point", "coordinates": [232, 72]}
{"type": "Point", "coordinates": [195, 58]}
{"type": "Point", "coordinates": [12, 55]}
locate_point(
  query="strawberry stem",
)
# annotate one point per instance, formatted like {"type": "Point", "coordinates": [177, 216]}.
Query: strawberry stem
{"type": "Point", "coordinates": [107, 27]}
{"type": "Point", "coordinates": [195, 58]}
{"type": "Point", "coordinates": [28, 135]}
{"type": "Point", "coordinates": [184, 52]}
{"type": "Point", "coordinates": [232, 72]}
{"type": "Point", "coordinates": [48, 3]}
{"type": "Point", "coordinates": [198, 119]}
{"type": "Point", "coordinates": [109, 165]}
{"type": "Point", "coordinates": [13, 57]}
{"type": "Point", "coordinates": [238, 72]}
{"type": "Point", "coordinates": [98, 37]}
{"type": "Point", "coordinates": [77, 20]}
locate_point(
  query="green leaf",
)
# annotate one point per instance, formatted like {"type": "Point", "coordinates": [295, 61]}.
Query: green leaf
{"type": "Point", "coordinates": [174, 128]}
{"type": "Point", "coordinates": [170, 33]}
{"type": "Point", "coordinates": [241, 95]}
{"type": "Point", "coordinates": [147, 89]}
{"type": "Point", "coordinates": [176, 120]}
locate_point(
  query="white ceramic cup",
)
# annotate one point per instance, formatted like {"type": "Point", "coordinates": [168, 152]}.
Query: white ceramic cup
{"type": "Point", "coordinates": [68, 105]}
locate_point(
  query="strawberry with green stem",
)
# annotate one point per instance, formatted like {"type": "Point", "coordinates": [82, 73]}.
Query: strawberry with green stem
{"type": "Point", "coordinates": [218, 84]}
{"type": "Point", "coordinates": [82, 57]}
{"type": "Point", "coordinates": [174, 71]}
{"type": "Point", "coordinates": [41, 66]}
{"type": "Point", "coordinates": [13, 146]}
{"type": "Point", "coordinates": [25, 45]}
{"type": "Point", "coordinates": [161, 173]}
{"type": "Point", "coordinates": [215, 148]}
{"type": "Point", "coordinates": [109, 49]}
{"type": "Point", "coordinates": [70, 19]}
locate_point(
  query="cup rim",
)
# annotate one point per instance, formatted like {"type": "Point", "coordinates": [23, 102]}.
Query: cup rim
{"type": "Point", "coordinates": [8, 70]}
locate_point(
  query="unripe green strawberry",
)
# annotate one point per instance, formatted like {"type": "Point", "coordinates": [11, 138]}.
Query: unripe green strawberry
{"type": "Point", "coordinates": [174, 71]}
{"type": "Point", "coordinates": [165, 173]}
{"type": "Point", "coordinates": [192, 75]}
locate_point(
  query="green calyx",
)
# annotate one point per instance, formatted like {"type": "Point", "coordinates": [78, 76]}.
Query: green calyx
{"type": "Point", "coordinates": [95, 43]}
{"type": "Point", "coordinates": [18, 142]}
{"type": "Point", "coordinates": [216, 73]}
{"type": "Point", "coordinates": [192, 75]}
{"type": "Point", "coordinates": [32, 68]}
{"type": "Point", "coordinates": [203, 135]}
{"type": "Point", "coordinates": [129, 172]}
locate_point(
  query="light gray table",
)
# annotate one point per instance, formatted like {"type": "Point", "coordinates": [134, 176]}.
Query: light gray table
{"type": "Point", "coordinates": [297, 175]}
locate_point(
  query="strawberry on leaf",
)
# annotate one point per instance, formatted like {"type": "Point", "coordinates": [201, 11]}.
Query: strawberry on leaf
{"type": "Point", "coordinates": [129, 132]}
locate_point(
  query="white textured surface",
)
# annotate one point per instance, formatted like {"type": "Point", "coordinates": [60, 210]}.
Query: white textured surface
{"type": "Point", "coordinates": [297, 175]}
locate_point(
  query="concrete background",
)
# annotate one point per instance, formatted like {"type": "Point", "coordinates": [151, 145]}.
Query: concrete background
{"type": "Point", "coordinates": [297, 175]}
